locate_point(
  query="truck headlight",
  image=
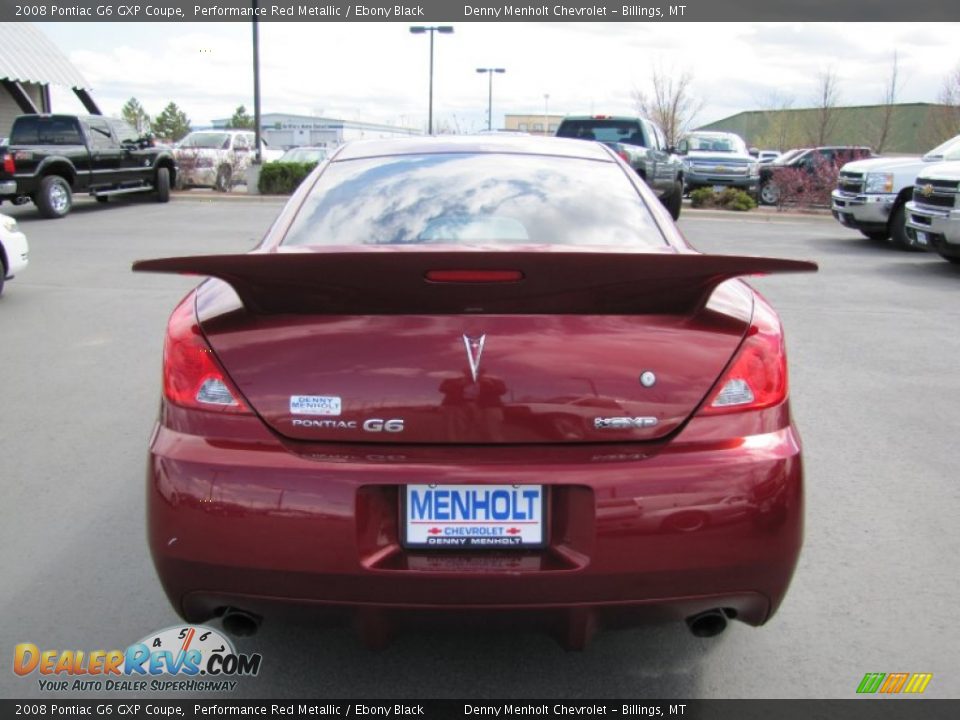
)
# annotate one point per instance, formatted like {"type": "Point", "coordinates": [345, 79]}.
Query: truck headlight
{"type": "Point", "coordinates": [754, 170]}
{"type": "Point", "coordinates": [879, 183]}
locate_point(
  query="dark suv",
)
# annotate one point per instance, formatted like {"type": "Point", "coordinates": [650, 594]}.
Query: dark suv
{"type": "Point", "coordinates": [806, 159]}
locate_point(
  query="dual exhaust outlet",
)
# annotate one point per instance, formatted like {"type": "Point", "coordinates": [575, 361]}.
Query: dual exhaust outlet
{"type": "Point", "coordinates": [709, 623]}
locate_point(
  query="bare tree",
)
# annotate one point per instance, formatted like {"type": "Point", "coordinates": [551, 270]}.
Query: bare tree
{"type": "Point", "coordinates": [670, 104]}
{"type": "Point", "coordinates": [947, 120]}
{"type": "Point", "coordinates": [824, 117]}
{"type": "Point", "coordinates": [889, 102]}
{"type": "Point", "coordinates": [777, 124]}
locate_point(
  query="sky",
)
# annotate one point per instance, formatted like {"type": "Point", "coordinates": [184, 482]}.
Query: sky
{"type": "Point", "coordinates": [378, 72]}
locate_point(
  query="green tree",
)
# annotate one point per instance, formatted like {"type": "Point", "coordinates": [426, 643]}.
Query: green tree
{"type": "Point", "coordinates": [172, 124]}
{"type": "Point", "coordinates": [241, 120]}
{"type": "Point", "coordinates": [136, 116]}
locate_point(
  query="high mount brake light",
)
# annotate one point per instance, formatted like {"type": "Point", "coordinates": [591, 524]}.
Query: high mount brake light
{"type": "Point", "coordinates": [474, 276]}
{"type": "Point", "coordinates": [192, 377]}
{"type": "Point", "coordinates": [757, 377]}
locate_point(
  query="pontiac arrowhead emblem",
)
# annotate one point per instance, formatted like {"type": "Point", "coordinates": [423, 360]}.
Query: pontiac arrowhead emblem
{"type": "Point", "coordinates": [474, 348]}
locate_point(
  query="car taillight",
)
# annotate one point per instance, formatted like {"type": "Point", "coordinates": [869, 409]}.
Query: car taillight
{"type": "Point", "coordinates": [192, 377]}
{"type": "Point", "coordinates": [757, 377]}
{"type": "Point", "coordinates": [623, 155]}
{"type": "Point", "coordinates": [9, 166]}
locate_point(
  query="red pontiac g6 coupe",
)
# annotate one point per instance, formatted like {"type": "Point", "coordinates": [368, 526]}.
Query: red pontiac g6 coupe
{"type": "Point", "coordinates": [473, 376]}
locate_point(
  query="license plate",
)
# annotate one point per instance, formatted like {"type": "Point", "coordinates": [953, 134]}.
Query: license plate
{"type": "Point", "coordinates": [474, 517]}
{"type": "Point", "coordinates": [719, 188]}
{"type": "Point", "coordinates": [922, 238]}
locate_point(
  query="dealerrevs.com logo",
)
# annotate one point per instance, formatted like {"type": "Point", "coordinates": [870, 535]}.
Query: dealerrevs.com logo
{"type": "Point", "coordinates": [183, 658]}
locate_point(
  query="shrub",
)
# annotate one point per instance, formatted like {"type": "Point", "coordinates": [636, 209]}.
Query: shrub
{"type": "Point", "coordinates": [282, 178]}
{"type": "Point", "coordinates": [807, 187]}
{"type": "Point", "coordinates": [728, 199]}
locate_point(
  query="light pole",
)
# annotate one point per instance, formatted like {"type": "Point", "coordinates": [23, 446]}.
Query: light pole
{"type": "Point", "coordinates": [419, 30]}
{"type": "Point", "coordinates": [546, 113]}
{"type": "Point", "coordinates": [490, 72]}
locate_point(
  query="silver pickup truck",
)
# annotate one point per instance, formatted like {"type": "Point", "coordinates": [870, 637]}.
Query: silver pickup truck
{"type": "Point", "coordinates": [933, 215]}
{"type": "Point", "coordinates": [872, 194]}
{"type": "Point", "coordinates": [641, 143]}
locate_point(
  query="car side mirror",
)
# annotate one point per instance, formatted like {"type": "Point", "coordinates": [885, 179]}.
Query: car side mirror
{"type": "Point", "coordinates": [754, 152]}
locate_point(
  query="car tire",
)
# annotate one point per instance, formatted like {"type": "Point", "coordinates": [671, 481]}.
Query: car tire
{"type": "Point", "coordinates": [54, 198]}
{"type": "Point", "coordinates": [898, 230]}
{"type": "Point", "coordinates": [954, 259]}
{"type": "Point", "coordinates": [674, 201]}
{"type": "Point", "coordinates": [223, 179]}
{"type": "Point", "coordinates": [769, 193]}
{"type": "Point", "coordinates": [163, 185]}
{"type": "Point", "coordinates": [3, 275]}
{"type": "Point", "coordinates": [876, 235]}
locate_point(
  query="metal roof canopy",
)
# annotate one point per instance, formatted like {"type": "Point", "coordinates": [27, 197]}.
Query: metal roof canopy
{"type": "Point", "coordinates": [29, 56]}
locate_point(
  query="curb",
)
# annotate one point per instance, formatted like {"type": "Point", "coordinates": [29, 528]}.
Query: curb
{"type": "Point", "coordinates": [756, 216]}
{"type": "Point", "coordinates": [212, 197]}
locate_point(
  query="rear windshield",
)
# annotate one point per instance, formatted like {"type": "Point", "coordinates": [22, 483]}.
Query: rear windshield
{"type": "Point", "coordinates": [46, 131]}
{"type": "Point", "coordinates": [474, 199]}
{"type": "Point", "coordinates": [206, 141]}
{"type": "Point", "coordinates": [607, 131]}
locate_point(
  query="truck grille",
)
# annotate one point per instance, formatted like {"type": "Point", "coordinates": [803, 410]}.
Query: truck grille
{"type": "Point", "coordinates": [851, 182]}
{"type": "Point", "coordinates": [719, 169]}
{"type": "Point", "coordinates": [936, 193]}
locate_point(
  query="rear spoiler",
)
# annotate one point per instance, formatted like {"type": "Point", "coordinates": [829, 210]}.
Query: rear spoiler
{"type": "Point", "coordinates": [394, 283]}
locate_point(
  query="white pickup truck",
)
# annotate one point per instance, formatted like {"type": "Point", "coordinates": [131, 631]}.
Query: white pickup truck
{"type": "Point", "coordinates": [933, 215]}
{"type": "Point", "coordinates": [872, 194]}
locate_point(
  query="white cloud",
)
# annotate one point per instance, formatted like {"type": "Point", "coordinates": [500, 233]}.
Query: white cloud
{"type": "Point", "coordinates": [379, 71]}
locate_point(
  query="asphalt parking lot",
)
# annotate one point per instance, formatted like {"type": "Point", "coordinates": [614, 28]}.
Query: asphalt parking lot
{"type": "Point", "coordinates": [873, 346]}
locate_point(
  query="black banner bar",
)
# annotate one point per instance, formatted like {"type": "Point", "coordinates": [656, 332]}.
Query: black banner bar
{"type": "Point", "coordinates": [136, 708]}
{"type": "Point", "coordinates": [478, 11]}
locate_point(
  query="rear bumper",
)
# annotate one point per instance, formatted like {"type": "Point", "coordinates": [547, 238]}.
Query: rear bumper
{"type": "Point", "coordinates": [634, 533]}
{"type": "Point", "coordinates": [862, 211]}
{"type": "Point", "coordinates": [8, 187]}
{"type": "Point", "coordinates": [17, 252]}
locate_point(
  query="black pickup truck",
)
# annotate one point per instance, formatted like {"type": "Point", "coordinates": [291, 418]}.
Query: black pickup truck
{"type": "Point", "coordinates": [51, 157]}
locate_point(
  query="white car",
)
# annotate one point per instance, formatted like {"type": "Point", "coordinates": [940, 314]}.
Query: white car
{"type": "Point", "coordinates": [218, 158]}
{"type": "Point", "coordinates": [13, 249]}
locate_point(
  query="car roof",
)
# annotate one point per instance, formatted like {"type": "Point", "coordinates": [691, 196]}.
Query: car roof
{"type": "Point", "coordinates": [518, 145]}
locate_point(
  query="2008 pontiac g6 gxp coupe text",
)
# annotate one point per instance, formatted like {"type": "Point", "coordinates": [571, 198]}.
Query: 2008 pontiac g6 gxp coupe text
{"type": "Point", "coordinates": [473, 376]}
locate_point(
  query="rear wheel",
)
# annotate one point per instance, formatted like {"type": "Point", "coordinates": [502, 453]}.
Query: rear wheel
{"type": "Point", "coordinates": [163, 185]}
{"type": "Point", "coordinates": [53, 198]}
{"type": "Point", "coordinates": [223, 179]}
{"type": "Point", "coordinates": [674, 201]}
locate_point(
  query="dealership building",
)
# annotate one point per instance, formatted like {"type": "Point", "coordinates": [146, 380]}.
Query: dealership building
{"type": "Point", "coordinates": [282, 130]}
{"type": "Point", "coordinates": [29, 64]}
